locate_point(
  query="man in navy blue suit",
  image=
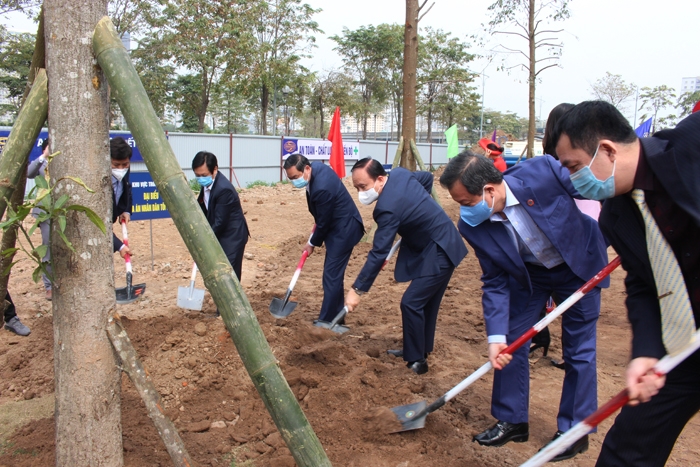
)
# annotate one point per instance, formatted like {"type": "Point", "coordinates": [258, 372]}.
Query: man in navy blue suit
{"type": "Point", "coordinates": [120, 157]}
{"type": "Point", "coordinates": [608, 162]}
{"type": "Point", "coordinates": [338, 225]}
{"type": "Point", "coordinates": [531, 241]}
{"type": "Point", "coordinates": [430, 250]}
{"type": "Point", "coordinates": [222, 206]}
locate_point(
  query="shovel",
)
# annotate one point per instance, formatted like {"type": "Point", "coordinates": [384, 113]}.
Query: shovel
{"type": "Point", "coordinates": [412, 416]}
{"type": "Point", "coordinates": [130, 293]}
{"type": "Point", "coordinates": [333, 325]}
{"type": "Point", "coordinates": [189, 297]}
{"type": "Point", "coordinates": [283, 308]}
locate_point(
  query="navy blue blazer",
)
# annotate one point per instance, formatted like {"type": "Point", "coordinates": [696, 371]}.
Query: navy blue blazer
{"type": "Point", "coordinates": [121, 205]}
{"type": "Point", "coordinates": [544, 189]}
{"type": "Point", "coordinates": [331, 205]}
{"type": "Point", "coordinates": [674, 158]}
{"type": "Point", "coordinates": [405, 207]}
{"type": "Point", "coordinates": [225, 216]}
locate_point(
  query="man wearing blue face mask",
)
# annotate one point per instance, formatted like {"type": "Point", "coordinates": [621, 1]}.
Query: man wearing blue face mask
{"type": "Point", "coordinates": [652, 218]}
{"type": "Point", "coordinates": [531, 242]}
{"type": "Point", "coordinates": [430, 251]}
{"type": "Point", "coordinates": [222, 206]}
{"type": "Point", "coordinates": [338, 225]}
{"type": "Point", "coordinates": [120, 158]}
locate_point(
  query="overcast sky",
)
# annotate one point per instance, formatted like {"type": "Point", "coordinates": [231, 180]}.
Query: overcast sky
{"type": "Point", "coordinates": [649, 43]}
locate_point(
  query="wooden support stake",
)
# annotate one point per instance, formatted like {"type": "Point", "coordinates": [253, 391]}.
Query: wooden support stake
{"type": "Point", "coordinates": [154, 404]}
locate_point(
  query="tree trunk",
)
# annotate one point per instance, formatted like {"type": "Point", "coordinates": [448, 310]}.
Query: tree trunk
{"type": "Point", "coordinates": [364, 124]}
{"type": "Point", "coordinates": [410, 63]}
{"type": "Point", "coordinates": [264, 103]}
{"type": "Point", "coordinates": [430, 122]}
{"type": "Point", "coordinates": [236, 312]}
{"type": "Point", "coordinates": [88, 380]}
{"type": "Point", "coordinates": [531, 83]}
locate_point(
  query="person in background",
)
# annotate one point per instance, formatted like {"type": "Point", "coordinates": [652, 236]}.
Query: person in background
{"type": "Point", "coordinates": [651, 216]}
{"type": "Point", "coordinates": [338, 225]}
{"type": "Point", "coordinates": [38, 167]}
{"type": "Point", "coordinates": [12, 322]}
{"type": "Point", "coordinates": [430, 251]}
{"type": "Point", "coordinates": [221, 205]}
{"type": "Point", "coordinates": [120, 156]}
{"type": "Point", "coordinates": [531, 241]}
{"type": "Point", "coordinates": [493, 152]}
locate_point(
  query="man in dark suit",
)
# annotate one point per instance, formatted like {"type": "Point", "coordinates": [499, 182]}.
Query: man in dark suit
{"type": "Point", "coordinates": [652, 210]}
{"type": "Point", "coordinates": [120, 155]}
{"type": "Point", "coordinates": [430, 250]}
{"type": "Point", "coordinates": [220, 203]}
{"type": "Point", "coordinates": [531, 242]}
{"type": "Point", "coordinates": [338, 225]}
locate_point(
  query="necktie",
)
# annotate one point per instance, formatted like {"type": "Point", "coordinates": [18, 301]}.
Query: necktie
{"type": "Point", "coordinates": [677, 320]}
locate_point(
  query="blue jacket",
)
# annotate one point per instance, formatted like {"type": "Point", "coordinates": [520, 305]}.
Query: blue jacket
{"type": "Point", "coordinates": [406, 208]}
{"type": "Point", "coordinates": [544, 189]}
{"type": "Point", "coordinates": [330, 203]}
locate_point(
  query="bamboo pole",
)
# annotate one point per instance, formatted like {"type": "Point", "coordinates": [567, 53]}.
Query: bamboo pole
{"type": "Point", "coordinates": [397, 157]}
{"type": "Point", "coordinates": [154, 404]}
{"type": "Point", "coordinates": [419, 161]}
{"type": "Point", "coordinates": [24, 133]}
{"type": "Point", "coordinates": [218, 275]}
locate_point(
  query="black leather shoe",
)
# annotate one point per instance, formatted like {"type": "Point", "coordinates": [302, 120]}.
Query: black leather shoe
{"type": "Point", "coordinates": [395, 353]}
{"type": "Point", "coordinates": [502, 432]}
{"type": "Point", "coordinates": [577, 448]}
{"type": "Point", "coordinates": [420, 367]}
{"type": "Point", "coordinates": [341, 322]}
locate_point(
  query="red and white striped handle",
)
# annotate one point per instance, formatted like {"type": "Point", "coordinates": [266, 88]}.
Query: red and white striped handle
{"type": "Point", "coordinates": [391, 253]}
{"type": "Point", "coordinates": [125, 241]}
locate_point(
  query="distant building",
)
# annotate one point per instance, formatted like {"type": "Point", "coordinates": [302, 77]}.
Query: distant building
{"type": "Point", "coordinates": [690, 85]}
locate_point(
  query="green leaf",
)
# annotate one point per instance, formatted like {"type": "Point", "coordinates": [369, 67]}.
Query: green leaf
{"type": "Point", "coordinates": [36, 274]}
{"type": "Point", "coordinates": [90, 214]}
{"type": "Point", "coordinates": [10, 252]}
{"type": "Point", "coordinates": [65, 240]}
{"type": "Point", "coordinates": [61, 201]}
{"type": "Point", "coordinates": [79, 182]}
{"type": "Point", "coordinates": [62, 223]}
{"type": "Point", "coordinates": [9, 268]}
{"type": "Point", "coordinates": [41, 250]}
{"type": "Point", "coordinates": [41, 182]}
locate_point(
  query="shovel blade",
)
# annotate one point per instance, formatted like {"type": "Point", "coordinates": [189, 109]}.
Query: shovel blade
{"type": "Point", "coordinates": [278, 311]}
{"type": "Point", "coordinates": [190, 299]}
{"type": "Point", "coordinates": [406, 413]}
{"type": "Point", "coordinates": [125, 296]}
{"type": "Point", "coordinates": [338, 328]}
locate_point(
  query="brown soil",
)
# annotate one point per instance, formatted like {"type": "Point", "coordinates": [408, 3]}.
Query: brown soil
{"type": "Point", "coordinates": [344, 383]}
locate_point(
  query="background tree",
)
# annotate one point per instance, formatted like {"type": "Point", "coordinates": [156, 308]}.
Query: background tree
{"type": "Point", "coordinates": [282, 34]}
{"type": "Point", "coordinates": [206, 39]}
{"type": "Point", "coordinates": [686, 102]}
{"type": "Point", "coordinates": [186, 98]}
{"type": "Point", "coordinates": [157, 74]}
{"type": "Point", "coordinates": [88, 378]}
{"type": "Point", "coordinates": [132, 16]}
{"type": "Point", "coordinates": [613, 89]}
{"type": "Point", "coordinates": [329, 89]}
{"type": "Point", "coordinates": [459, 104]}
{"type": "Point", "coordinates": [228, 110]}
{"type": "Point", "coordinates": [654, 100]}
{"type": "Point", "coordinates": [366, 52]}
{"type": "Point", "coordinates": [16, 51]}
{"type": "Point", "coordinates": [528, 20]}
{"type": "Point", "coordinates": [441, 65]}
{"type": "Point", "coordinates": [27, 6]}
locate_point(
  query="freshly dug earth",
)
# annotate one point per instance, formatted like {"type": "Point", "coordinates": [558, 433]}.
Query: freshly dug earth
{"type": "Point", "coordinates": [345, 384]}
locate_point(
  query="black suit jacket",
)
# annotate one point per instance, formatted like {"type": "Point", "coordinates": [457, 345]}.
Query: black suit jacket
{"type": "Point", "coordinates": [674, 158]}
{"type": "Point", "coordinates": [123, 204]}
{"type": "Point", "coordinates": [331, 205]}
{"type": "Point", "coordinates": [405, 207]}
{"type": "Point", "coordinates": [225, 217]}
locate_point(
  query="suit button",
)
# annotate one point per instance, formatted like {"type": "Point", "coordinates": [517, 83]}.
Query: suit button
{"type": "Point", "coordinates": [530, 202]}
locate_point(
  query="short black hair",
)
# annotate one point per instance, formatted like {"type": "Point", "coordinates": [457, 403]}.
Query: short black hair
{"type": "Point", "coordinates": [44, 144]}
{"type": "Point", "coordinates": [205, 157]}
{"type": "Point", "coordinates": [374, 167]}
{"type": "Point", "coordinates": [589, 122]}
{"type": "Point", "coordinates": [119, 149]}
{"type": "Point", "coordinates": [472, 170]}
{"type": "Point", "coordinates": [548, 144]}
{"type": "Point", "coordinates": [296, 160]}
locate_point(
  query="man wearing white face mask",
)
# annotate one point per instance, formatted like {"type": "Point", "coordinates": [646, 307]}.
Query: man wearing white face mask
{"type": "Point", "coordinates": [531, 241]}
{"type": "Point", "coordinates": [338, 225]}
{"type": "Point", "coordinates": [120, 156]}
{"type": "Point", "coordinates": [430, 250]}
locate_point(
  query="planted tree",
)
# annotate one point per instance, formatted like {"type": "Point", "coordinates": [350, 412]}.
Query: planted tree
{"type": "Point", "coordinates": [529, 20]}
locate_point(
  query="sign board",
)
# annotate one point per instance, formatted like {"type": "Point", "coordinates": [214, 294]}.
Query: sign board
{"type": "Point", "coordinates": [147, 203]}
{"type": "Point", "coordinates": [36, 150]}
{"type": "Point", "coordinates": [316, 149]}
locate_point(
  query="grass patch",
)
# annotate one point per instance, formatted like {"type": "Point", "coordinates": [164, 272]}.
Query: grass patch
{"type": "Point", "coordinates": [258, 183]}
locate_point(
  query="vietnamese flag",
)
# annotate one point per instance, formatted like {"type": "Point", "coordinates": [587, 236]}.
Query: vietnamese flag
{"type": "Point", "coordinates": [337, 153]}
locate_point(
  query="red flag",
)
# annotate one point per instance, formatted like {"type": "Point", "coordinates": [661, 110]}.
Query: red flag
{"type": "Point", "coordinates": [337, 153]}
